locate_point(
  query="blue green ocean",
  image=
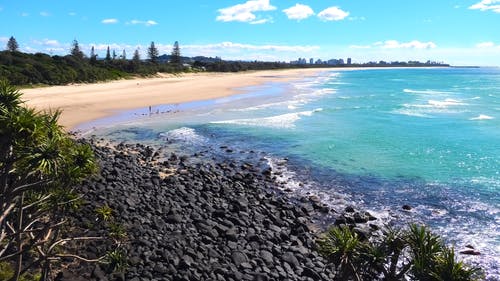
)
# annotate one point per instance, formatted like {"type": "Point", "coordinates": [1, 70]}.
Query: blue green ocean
{"type": "Point", "coordinates": [375, 138]}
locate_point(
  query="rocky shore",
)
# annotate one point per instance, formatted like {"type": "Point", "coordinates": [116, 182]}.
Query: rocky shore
{"type": "Point", "coordinates": [189, 218]}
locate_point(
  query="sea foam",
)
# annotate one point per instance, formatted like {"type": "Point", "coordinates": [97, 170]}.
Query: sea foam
{"type": "Point", "coordinates": [482, 117]}
{"type": "Point", "coordinates": [280, 121]}
{"type": "Point", "coordinates": [425, 92]}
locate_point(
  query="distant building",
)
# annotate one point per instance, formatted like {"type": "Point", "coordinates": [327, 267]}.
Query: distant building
{"type": "Point", "coordinates": [349, 61]}
{"type": "Point", "coordinates": [311, 61]}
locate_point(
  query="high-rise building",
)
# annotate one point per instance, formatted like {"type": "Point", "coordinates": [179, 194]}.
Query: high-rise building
{"type": "Point", "coordinates": [311, 61]}
{"type": "Point", "coordinates": [349, 61]}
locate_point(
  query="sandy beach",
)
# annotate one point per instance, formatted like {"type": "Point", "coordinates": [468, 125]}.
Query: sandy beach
{"type": "Point", "coordinates": [82, 103]}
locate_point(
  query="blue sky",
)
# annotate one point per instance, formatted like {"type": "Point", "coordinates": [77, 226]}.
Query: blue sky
{"type": "Point", "coordinates": [460, 32]}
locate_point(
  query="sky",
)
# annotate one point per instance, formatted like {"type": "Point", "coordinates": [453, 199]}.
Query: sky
{"type": "Point", "coordinates": [459, 32]}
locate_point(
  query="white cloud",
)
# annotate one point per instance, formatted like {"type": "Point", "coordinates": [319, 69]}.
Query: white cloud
{"type": "Point", "coordinates": [24, 14]}
{"type": "Point", "coordinates": [72, 14]}
{"type": "Point", "coordinates": [4, 39]}
{"type": "Point", "coordinates": [244, 12]}
{"type": "Point", "coordinates": [44, 14]}
{"type": "Point", "coordinates": [487, 5]}
{"type": "Point", "coordinates": [485, 45]}
{"type": "Point", "coordinates": [299, 12]}
{"type": "Point", "coordinates": [394, 44]}
{"type": "Point", "coordinates": [109, 21]}
{"type": "Point", "coordinates": [146, 23]}
{"type": "Point", "coordinates": [262, 21]}
{"type": "Point", "coordinates": [333, 14]}
{"type": "Point", "coordinates": [47, 42]}
{"type": "Point", "coordinates": [250, 47]}
{"type": "Point", "coordinates": [415, 44]}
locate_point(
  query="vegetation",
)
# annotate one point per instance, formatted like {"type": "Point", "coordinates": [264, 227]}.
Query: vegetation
{"type": "Point", "coordinates": [413, 253]}
{"type": "Point", "coordinates": [39, 166]}
{"type": "Point", "coordinates": [28, 69]}
{"type": "Point", "coordinates": [153, 53]}
{"type": "Point", "coordinates": [175, 57]}
{"type": "Point", "coordinates": [12, 45]}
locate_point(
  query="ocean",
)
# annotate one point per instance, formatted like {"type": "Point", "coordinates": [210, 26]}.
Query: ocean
{"type": "Point", "coordinates": [375, 138]}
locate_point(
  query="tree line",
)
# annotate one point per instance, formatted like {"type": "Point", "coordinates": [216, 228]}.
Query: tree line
{"type": "Point", "coordinates": [25, 69]}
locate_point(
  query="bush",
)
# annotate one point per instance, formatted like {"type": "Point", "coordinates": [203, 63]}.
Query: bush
{"type": "Point", "coordinates": [39, 165]}
{"type": "Point", "coordinates": [414, 253]}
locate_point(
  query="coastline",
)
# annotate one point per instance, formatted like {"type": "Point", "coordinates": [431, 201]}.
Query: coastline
{"type": "Point", "coordinates": [82, 103]}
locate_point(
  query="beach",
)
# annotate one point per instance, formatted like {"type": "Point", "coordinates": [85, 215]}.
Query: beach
{"type": "Point", "coordinates": [81, 103]}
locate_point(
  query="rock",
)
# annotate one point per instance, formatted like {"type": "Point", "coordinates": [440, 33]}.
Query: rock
{"type": "Point", "coordinates": [470, 252]}
{"type": "Point", "coordinates": [174, 218]}
{"type": "Point", "coordinates": [407, 207]}
{"type": "Point", "coordinates": [99, 274]}
{"type": "Point", "coordinates": [290, 258]}
{"type": "Point", "coordinates": [213, 217]}
{"type": "Point", "coordinates": [267, 256]}
{"type": "Point", "coordinates": [349, 209]}
{"type": "Point", "coordinates": [239, 257]}
{"type": "Point", "coordinates": [186, 262]}
{"type": "Point", "coordinates": [308, 272]}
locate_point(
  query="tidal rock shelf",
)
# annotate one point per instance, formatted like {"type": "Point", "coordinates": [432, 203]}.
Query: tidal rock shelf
{"type": "Point", "coordinates": [191, 219]}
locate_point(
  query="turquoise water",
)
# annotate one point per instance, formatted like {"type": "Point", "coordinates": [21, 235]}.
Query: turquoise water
{"type": "Point", "coordinates": [429, 138]}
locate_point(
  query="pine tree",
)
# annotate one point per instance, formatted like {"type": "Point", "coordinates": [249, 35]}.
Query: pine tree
{"type": "Point", "coordinates": [114, 55]}
{"type": "Point", "coordinates": [137, 56]}
{"type": "Point", "coordinates": [176, 55]}
{"type": "Point", "coordinates": [153, 53]}
{"type": "Point", "coordinates": [12, 44]}
{"type": "Point", "coordinates": [75, 50]}
{"type": "Point", "coordinates": [108, 55]}
{"type": "Point", "coordinates": [93, 56]}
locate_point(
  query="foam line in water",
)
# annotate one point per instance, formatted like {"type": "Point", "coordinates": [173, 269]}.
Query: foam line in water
{"type": "Point", "coordinates": [482, 117]}
{"type": "Point", "coordinates": [425, 92]}
{"type": "Point", "coordinates": [280, 121]}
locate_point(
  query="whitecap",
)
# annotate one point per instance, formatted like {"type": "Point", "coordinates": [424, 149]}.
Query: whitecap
{"type": "Point", "coordinates": [280, 121]}
{"type": "Point", "coordinates": [482, 117]}
{"type": "Point", "coordinates": [445, 103]}
{"type": "Point", "coordinates": [413, 113]}
{"type": "Point", "coordinates": [425, 92]}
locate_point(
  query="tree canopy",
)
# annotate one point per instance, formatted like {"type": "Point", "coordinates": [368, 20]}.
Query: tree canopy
{"type": "Point", "coordinates": [12, 44]}
{"type": "Point", "coordinates": [153, 53]}
{"type": "Point", "coordinates": [76, 51]}
{"type": "Point", "coordinates": [175, 57]}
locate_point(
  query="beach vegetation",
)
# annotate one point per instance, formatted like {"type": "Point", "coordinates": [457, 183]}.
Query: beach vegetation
{"type": "Point", "coordinates": [40, 165]}
{"type": "Point", "coordinates": [413, 253]}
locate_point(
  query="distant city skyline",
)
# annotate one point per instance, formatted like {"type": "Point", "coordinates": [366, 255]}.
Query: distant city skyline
{"type": "Point", "coordinates": [459, 32]}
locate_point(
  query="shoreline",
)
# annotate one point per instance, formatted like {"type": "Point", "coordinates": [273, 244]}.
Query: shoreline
{"type": "Point", "coordinates": [84, 103]}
